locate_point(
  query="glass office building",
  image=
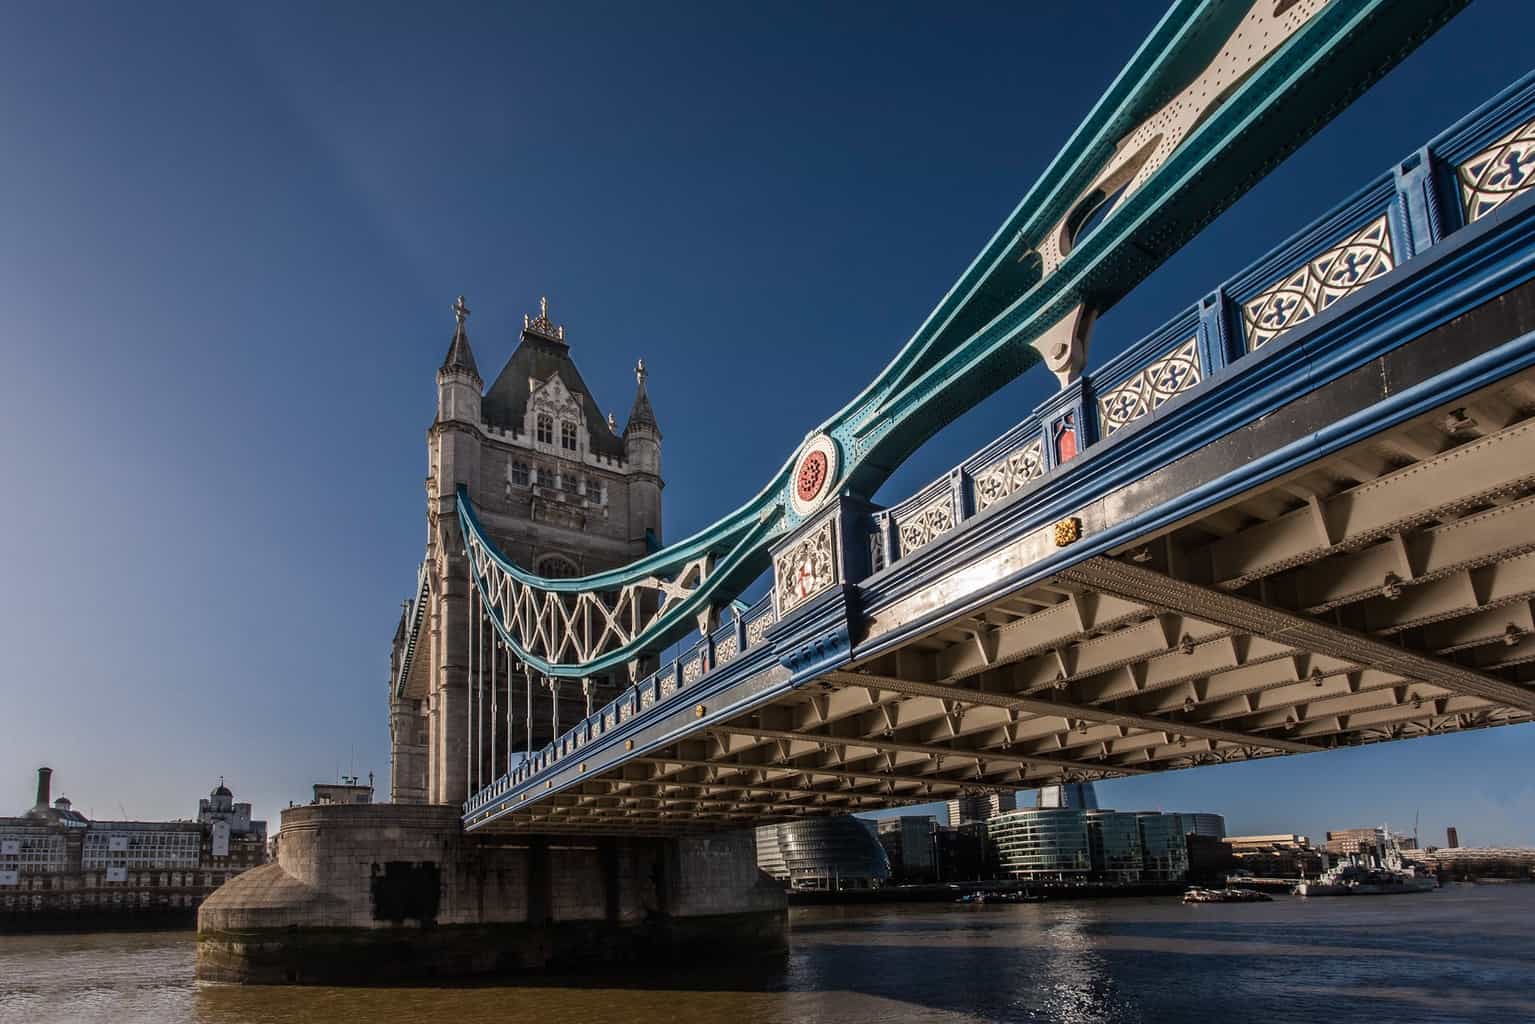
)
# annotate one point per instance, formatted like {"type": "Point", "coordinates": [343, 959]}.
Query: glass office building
{"type": "Point", "coordinates": [1079, 796]}
{"type": "Point", "coordinates": [1203, 823]}
{"type": "Point", "coordinates": [1114, 844]}
{"type": "Point", "coordinates": [1042, 844]}
{"type": "Point", "coordinates": [823, 853]}
{"type": "Point", "coordinates": [1164, 850]}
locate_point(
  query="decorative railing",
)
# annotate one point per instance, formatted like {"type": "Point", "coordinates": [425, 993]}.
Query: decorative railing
{"type": "Point", "coordinates": [1484, 163]}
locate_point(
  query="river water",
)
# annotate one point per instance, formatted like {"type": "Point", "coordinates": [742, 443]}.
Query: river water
{"type": "Point", "coordinates": [1465, 953]}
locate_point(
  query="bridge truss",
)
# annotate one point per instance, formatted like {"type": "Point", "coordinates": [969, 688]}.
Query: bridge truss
{"type": "Point", "coordinates": [1218, 94]}
{"type": "Point", "coordinates": [1296, 517]}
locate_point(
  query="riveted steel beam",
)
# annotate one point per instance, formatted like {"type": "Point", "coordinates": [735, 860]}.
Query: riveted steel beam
{"type": "Point", "coordinates": [1160, 590]}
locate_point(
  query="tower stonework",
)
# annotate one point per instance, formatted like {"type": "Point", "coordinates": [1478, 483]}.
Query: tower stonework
{"type": "Point", "coordinates": [400, 890]}
{"type": "Point", "coordinates": [560, 491]}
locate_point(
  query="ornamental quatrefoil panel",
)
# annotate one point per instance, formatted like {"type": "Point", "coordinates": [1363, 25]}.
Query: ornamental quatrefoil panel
{"type": "Point", "coordinates": [1177, 371]}
{"type": "Point", "coordinates": [1498, 173]}
{"type": "Point", "coordinates": [928, 523]}
{"type": "Point", "coordinates": [996, 480]}
{"type": "Point", "coordinates": [1345, 268]}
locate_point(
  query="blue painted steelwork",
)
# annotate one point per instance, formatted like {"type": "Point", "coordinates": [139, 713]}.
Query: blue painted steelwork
{"type": "Point", "coordinates": [1455, 266]}
{"type": "Point", "coordinates": [1027, 281]}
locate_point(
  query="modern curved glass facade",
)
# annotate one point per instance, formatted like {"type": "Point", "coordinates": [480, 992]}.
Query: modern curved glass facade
{"type": "Point", "coordinates": [1114, 843]}
{"type": "Point", "coordinates": [1047, 844]}
{"type": "Point", "coordinates": [1164, 849]}
{"type": "Point", "coordinates": [823, 853]}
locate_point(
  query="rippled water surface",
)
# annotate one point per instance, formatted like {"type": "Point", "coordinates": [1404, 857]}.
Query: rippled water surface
{"type": "Point", "coordinates": [1466, 953]}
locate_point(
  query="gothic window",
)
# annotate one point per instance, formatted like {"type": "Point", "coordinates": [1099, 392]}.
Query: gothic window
{"type": "Point", "coordinates": [520, 474]}
{"type": "Point", "coordinates": [557, 567]}
{"type": "Point", "coordinates": [545, 429]}
{"type": "Point", "coordinates": [567, 435]}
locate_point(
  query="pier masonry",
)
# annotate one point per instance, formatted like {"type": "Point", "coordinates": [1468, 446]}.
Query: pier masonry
{"type": "Point", "coordinates": [380, 893]}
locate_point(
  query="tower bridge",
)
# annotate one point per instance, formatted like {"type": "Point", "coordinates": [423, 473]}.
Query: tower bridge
{"type": "Point", "coordinates": [1300, 515]}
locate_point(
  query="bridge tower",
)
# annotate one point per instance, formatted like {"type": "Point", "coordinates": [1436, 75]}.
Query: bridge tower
{"type": "Point", "coordinates": [562, 492]}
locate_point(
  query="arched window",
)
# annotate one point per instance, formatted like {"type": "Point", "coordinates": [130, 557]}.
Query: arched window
{"type": "Point", "coordinates": [557, 567]}
{"type": "Point", "coordinates": [520, 473]}
{"type": "Point", "coordinates": [567, 435]}
{"type": "Point", "coordinates": [545, 431]}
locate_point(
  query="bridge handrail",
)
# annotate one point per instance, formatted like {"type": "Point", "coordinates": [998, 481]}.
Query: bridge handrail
{"type": "Point", "coordinates": [1414, 196]}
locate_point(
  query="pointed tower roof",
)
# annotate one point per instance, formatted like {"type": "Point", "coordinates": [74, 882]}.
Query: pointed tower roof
{"type": "Point", "coordinates": [542, 352]}
{"type": "Point", "coordinates": [641, 413]}
{"type": "Point", "coordinates": [460, 356]}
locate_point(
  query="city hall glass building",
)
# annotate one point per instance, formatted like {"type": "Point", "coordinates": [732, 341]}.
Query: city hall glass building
{"type": "Point", "coordinates": [823, 853]}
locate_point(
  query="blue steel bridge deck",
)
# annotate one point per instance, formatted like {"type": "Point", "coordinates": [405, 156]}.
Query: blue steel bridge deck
{"type": "Point", "coordinates": [1450, 241]}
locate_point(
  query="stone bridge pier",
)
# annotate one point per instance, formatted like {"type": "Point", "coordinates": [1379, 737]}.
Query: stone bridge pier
{"type": "Point", "coordinates": [379, 893]}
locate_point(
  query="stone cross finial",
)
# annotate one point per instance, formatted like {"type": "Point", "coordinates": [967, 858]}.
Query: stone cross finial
{"type": "Point", "coordinates": [639, 373]}
{"type": "Point", "coordinates": [460, 311]}
{"type": "Point", "coordinates": [612, 422]}
{"type": "Point", "coordinates": [541, 322]}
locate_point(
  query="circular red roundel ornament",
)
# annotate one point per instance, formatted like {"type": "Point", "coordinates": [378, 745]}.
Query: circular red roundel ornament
{"type": "Point", "coordinates": [812, 476]}
{"type": "Point", "coordinates": [815, 473]}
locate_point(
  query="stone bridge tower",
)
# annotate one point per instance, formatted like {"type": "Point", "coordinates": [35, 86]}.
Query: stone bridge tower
{"type": "Point", "coordinates": [560, 491]}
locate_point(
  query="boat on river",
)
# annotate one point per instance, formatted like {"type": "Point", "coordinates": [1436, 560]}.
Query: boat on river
{"type": "Point", "coordinates": [1376, 869]}
{"type": "Point", "coordinates": [1353, 880]}
{"type": "Point", "coordinates": [1199, 895]}
{"type": "Point", "coordinates": [1001, 897]}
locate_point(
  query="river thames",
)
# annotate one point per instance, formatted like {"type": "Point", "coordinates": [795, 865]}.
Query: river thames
{"type": "Point", "coordinates": [1465, 953]}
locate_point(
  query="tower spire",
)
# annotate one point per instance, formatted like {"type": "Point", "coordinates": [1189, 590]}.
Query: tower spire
{"type": "Point", "coordinates": [641, 413]}
{"type": "Point", "coordinates": [460, 356]}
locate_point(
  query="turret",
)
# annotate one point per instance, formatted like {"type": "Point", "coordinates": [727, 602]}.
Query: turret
{"type": "Point", "coordinates": [642, 451]}
{"type": "Point", "coordinates": [456, 437]}
{"type": "Point", "coordinates": [458, 379]}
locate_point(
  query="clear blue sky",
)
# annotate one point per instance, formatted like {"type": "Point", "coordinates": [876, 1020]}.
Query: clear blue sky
{"type": "Point", "coordinates": [229, 238]}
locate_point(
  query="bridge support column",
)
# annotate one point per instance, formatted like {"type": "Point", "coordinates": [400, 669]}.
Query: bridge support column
{"type": "Point", "coordinates": [374, 893]}
{"type": "Point", "coordinates": [408, 739]}
{"type": "Point", "coordinates": [452, 638]}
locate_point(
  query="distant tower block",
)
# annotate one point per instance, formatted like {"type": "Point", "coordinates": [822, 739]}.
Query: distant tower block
{"type": "Point", "coordinates": [968, 810]}
{"type": "Point", "coordinates": [1452, 838]}
{"type": "Point", "coordinates": [1076, 796]}
{"type": "Point", "coordinates": [561, 491]}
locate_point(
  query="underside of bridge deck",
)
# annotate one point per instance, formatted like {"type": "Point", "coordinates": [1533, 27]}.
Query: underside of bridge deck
{"type": "Point", "coordinates": [1384, 592]}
